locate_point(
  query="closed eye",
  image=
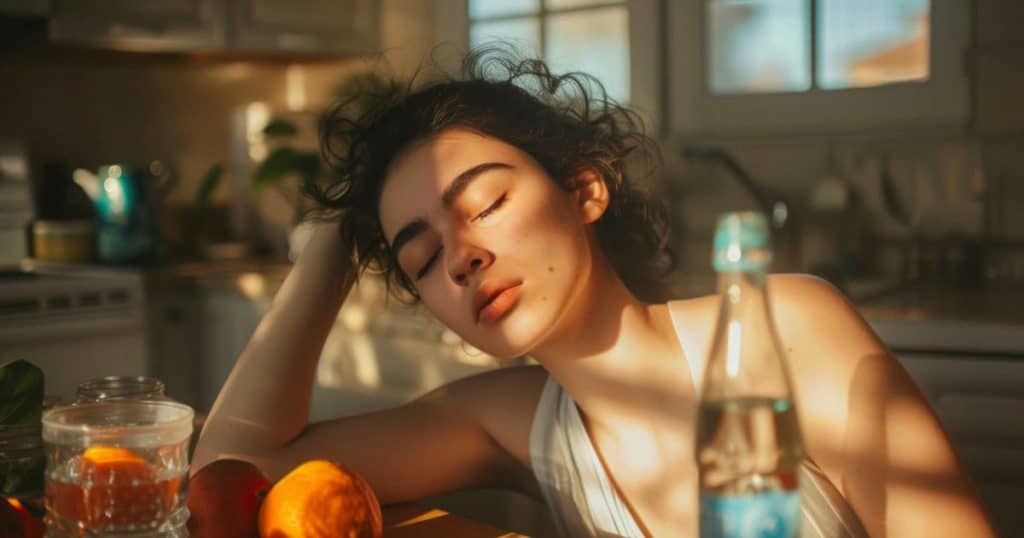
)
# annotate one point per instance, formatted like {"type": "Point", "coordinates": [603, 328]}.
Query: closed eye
{"type": "Point", "coordinates": [491, 208]}
{"type": "Point", "coordinates": [430, 263]}
{"type": "Point", "coordinates": [480, 216]}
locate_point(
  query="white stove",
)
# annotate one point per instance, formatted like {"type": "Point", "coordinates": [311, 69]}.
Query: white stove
{"type": "Point", "coordinates": [76, 322]}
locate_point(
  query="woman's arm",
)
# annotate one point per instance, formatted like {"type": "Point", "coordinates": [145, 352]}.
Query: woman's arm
{"type": "Point", "coordinates": [265, 401]}
{"type": "Point", "coordinates": [434, 444]}
{"type": "Point", "coordinates": [865, 422]}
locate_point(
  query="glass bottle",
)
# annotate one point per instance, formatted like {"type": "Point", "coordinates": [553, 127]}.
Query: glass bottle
{"type": "Point", "coordinates": [748, 441]}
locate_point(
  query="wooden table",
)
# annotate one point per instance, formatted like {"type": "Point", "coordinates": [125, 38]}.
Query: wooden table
{"type": "Point", "coordinates": [415, 521]}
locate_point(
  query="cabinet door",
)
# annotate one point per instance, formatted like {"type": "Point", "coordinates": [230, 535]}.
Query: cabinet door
{"type": "Point", "coordinates": [174, 336]}
{"type": "Point", "coordinates": [980, 402]}
{"type": "Point", "coordinates": [157, 25]}
{"type": "Point", "coordinates": [305, 26]}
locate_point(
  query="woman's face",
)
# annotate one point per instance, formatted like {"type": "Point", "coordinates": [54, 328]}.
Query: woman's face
{"type": "Point", "coordinates": [496, 249]}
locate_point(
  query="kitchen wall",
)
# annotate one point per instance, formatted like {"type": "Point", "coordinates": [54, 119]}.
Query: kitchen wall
{"type": "Point", "coordinates": [91, 107]}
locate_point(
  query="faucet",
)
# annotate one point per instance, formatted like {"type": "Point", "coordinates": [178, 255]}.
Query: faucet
{"type": "Point", "coordinates": [772, 203]}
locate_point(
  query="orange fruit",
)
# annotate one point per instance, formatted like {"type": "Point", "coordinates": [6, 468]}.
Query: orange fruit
{"type": "Point", "coordinates": [116, 487]}
{"type": "Point", "coordinates": [224, 499]}
{"type": "Point", "coordinates": [320, 499]}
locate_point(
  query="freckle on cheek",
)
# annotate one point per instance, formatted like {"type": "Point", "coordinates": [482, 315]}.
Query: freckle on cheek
{"type": "Point", "coordinates": [551, 269]}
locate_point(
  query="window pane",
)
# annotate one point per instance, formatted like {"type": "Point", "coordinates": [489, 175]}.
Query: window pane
{"type": "Point", "coordinates": [595, 42]}
{"type": "Point", "coordinates": [758, 45]}
{"type": "Point", "coordinates": [872, 42]}
{"type": "Point", "coordinates": [562, 4]}
{"type": "Point", "coordinates": [523, 34]}
{"type": "Point", "coordinates": [479, 9]}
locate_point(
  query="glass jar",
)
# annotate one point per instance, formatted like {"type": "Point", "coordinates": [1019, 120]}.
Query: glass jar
{"type": "Point", "coordinates": [120, 388]}
{"type": "Point", "coordinates": [132, 388]}
{"type": "Point", "coordinates": [21, 461]}
{"type": "Point", "coordinates": [117, 467]}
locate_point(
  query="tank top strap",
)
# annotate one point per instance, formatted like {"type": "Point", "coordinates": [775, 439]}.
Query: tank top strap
{"type": "Point", "coordinates": [693, 357]}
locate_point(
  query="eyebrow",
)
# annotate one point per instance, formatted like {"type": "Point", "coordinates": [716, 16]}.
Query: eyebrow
{"type": "Point", "coordinates": [448, 196]}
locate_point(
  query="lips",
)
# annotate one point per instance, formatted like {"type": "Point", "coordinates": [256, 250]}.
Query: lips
{"type": "Point", "coordinates": [493, 300]}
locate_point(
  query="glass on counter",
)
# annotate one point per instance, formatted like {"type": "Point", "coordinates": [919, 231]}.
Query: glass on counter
{"type": "Point", "coordinates": [117, 467]}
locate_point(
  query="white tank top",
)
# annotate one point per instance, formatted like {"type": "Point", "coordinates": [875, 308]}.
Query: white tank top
{"type": "Point", "coordinates": [583, 501]}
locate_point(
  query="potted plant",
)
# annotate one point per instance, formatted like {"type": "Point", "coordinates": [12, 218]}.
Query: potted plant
{"type": "Point", "coordinates": [289, 168]}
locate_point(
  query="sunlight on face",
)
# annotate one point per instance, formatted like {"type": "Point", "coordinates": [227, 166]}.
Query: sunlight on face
{"type": "Point", "coordinates": [478, 222]}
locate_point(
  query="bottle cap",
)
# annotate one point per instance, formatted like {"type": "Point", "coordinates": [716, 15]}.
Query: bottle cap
{"type": "Point", "coordinates": [741, 243]}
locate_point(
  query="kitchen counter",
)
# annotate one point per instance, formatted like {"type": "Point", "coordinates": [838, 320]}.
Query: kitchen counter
{"type": "Point", "coordinates": [921, 318]}
{"type": "Point", "coordinates": [415, 521]}
{"type": "Point", "coordinates": [255, 278]}
{"type": "Point", "coordinates": [986, 321]}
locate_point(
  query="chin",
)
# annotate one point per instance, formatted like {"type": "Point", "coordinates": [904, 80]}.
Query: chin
{"type": "Point", "coordinates": [518, 333]}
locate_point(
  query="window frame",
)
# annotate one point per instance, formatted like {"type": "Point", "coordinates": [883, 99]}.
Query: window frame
{"type": "Point", "coordinates": [941, 101]}
{"type": "Point", "coordinates": [646, 48]}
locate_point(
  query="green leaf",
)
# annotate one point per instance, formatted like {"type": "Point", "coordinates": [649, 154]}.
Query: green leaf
{"type": "Point", "coordinates": [278, 127]}
{"type": "Point", "coordinates": [21, 393]}
{"type": "Point", "coordinates": [279, 163]}
{"type": "Point", "coordinates": [307, 164]}
{"type": "Point", "coordinates": [206, 187]}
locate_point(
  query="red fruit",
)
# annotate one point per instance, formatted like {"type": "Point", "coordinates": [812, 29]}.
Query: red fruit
{"type": "Point", "coordinates": [224, 499]}
{"type": "Point", "coordinates": [16, 522]}
{"type": "Point", "coordinates": [11, 523]}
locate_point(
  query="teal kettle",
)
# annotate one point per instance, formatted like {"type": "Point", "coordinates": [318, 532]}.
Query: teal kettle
{"type": "Point", "coordinates": [126, 202]}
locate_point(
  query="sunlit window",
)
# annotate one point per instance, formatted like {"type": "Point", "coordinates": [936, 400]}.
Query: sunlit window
{"type": "Point", "coordinates": [756, 46]}
{"type": "Point", "coordinates": [591, 36]}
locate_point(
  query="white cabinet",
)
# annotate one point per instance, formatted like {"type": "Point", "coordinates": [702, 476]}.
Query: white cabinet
{"type": "Point", "coordinates": [166, 25]}
{"type": "Point", "coordinates": [980, 401]}
{"type": "Point", "coordinates": [305, 26]}
{"type": "Point", "coordinates": [318, 27]}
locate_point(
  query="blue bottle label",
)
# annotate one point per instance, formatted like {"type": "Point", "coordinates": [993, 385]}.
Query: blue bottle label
{"type": "Point", "coordinates": [770, 514]}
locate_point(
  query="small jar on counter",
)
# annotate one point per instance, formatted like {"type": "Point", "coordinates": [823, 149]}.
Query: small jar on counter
{"type": "Point", "coordinates": [133, 388]}
{"type": "Point", "coordinates": [120, 388]}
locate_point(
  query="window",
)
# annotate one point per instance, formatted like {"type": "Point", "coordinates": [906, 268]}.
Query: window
{"type": "Point", "coordinates": [797, 65]}
{"type": "Point", "coordinates": [570, 35]}
{"type": "Point", "coordinates": [796, 45]}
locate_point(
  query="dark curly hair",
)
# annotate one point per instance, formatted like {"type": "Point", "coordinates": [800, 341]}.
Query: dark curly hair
{"type": "Point", "coordinates": [566, 122]}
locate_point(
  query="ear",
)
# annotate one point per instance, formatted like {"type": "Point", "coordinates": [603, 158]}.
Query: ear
{"type": "Point", "coordinates": [591, 194]}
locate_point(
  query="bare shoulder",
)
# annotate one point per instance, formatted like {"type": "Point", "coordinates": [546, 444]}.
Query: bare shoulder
{"type": "Point", "coordinates": [803, 305]}
{"type": "Point", "coordinates": [812, 315]}
{"type": "Point", "coordinates": [502, 401]}
{"type": "Point", "coordinates": [806, 292]}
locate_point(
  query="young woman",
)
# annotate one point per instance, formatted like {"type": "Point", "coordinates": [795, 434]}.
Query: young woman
{"type": "Point", "coordinates": [509, 212]}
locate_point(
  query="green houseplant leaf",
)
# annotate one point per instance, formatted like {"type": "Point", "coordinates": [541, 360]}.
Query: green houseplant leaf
{"type": "Point", "coordinates": [206, 187]}
{"type": "Point", "coordinates": [278, 127]}
{"type": "Point", "coordinates": [280, 162]}
{"type": "Point", "coordinates": [21, 393]}
{"type": "Point", "coordinates": [21, 407]}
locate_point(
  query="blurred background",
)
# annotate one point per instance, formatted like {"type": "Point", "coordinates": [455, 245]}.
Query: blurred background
{"type": "Point", "coordinates": [151, 154]}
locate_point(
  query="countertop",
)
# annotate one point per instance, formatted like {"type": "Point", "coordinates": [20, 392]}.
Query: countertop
{"type": "Point", "coordinates": [415, 521]}
{"type": "Point", "coordinates": [922, 317]}
{"type": "Point", "coordinates": [257, 278]}
{"type": "Point", "coordinates": [986, 321]}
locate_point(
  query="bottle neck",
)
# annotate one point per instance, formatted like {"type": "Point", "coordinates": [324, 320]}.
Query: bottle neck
{"type": "Point", "coordinates": [742, 290]}
{"type": "Point", "coordinates": [746, 360]}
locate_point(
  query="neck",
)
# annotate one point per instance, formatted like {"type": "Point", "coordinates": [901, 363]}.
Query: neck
{"type": "Point", "coordinates": [612, 352]}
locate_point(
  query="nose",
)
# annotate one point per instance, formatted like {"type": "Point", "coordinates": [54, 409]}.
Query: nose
{"type": "Point", "coordinates": [465, 259]}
